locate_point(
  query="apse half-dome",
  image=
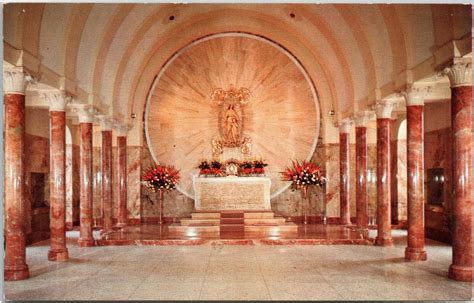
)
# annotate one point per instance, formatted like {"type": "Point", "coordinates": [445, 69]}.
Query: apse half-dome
{"type": "Point", "coordinates": [281, 116]}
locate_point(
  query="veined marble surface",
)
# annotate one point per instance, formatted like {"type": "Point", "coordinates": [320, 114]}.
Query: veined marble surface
{"type": "Point", "coordinates": [232, 193]}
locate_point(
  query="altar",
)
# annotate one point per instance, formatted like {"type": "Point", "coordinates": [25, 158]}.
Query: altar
{"type": "Point", "coordinates": [231, 193]}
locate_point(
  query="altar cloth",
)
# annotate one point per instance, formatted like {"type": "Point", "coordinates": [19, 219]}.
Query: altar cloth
{"type": "Point", "coordinates": [231, 193]}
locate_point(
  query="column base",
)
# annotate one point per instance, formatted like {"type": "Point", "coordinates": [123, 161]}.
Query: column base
{"type": "Point", "coordinates": [363, 232]}
{"type": "Point", "coordinates": [415, 254]}
{"type": "Point", "coordinates": [15, 273]}
{"type": "Point", "coordinates": [85, 242]}
{"type": "Point", "coordinates": [344, 222]}
{"type": "Point", "coordinates": [383, 241]}
{"type": "Point", "coordinates": [58, 254]}
{"type": "Point", "coordinates": [460, 273]}
{"type": "Point", "coordinates": [105, 231]}
{"type": "Point", "coordinates": [120, 224]}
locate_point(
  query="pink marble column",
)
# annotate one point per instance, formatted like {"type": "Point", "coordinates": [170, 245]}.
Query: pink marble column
{"type": "Point", "coordinates": [361, 171]}
{"type": "Point", "coordinates": [14, 83]}
{"type": "Point", "coordinates": [460, 77]}
{"type": "Point", "coordinates": [415, 250]}
{"type": "Point", "coordinates": [86, 127]}
{"type": "Point", "coordinates": [122, 176]}
{"type": "Point", "coordinates": [57, 176]}
{"type": "Point", "coordinates": [106, 167]}
{"type": "Point", "coordinates": [344, 149]}
{"type": "Point", "coordinates": [384, 233]}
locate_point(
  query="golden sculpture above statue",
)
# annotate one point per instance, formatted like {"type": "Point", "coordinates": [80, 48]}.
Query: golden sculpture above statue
{"type": "Point", "coordinates": [231, 95]}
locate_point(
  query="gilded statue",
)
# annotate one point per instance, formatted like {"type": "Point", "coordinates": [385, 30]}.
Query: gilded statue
{"type": "Point", "coordinates": [232, 127]}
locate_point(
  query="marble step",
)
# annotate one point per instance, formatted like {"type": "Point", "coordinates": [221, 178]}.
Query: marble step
{"type": "Point", "coordinates": [193, 229]}
{"type": "Point", "coordinates": [275, 221]}
{"type": "Point", "coordinates": [232, 214]}
{"type": "Point", "coordinates": [200, 221]}
{"type": "Point", "coordinates": [251, 230]}
{"type": "Point", "coordinates": [231, 227]}
{"type": "Point", "coordinates": [258, 215]}
{"type": "Point", "coordinates": [209, 215]}
{"type": "Point", "coordinates": [232, 221]}
{"type": "Point", "coordinates": [217, 215]}
{"type": "Point", "coordinates": [272, 229]}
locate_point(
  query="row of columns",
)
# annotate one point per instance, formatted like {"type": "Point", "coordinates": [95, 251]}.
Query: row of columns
{"type": "Point", "coordinates": [16, 268]}
{"type": "Point", "coordinates": [460, 77]}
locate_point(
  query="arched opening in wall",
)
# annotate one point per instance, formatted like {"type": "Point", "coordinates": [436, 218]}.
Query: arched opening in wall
{"type": "Point", "coordinates": [69, 179]}
{"type": "Point", "coordinates": [399, 173]}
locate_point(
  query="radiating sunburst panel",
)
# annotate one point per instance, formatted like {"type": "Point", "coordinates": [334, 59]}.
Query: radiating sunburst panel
{"type": "Point", "coordinates": [281, 117]}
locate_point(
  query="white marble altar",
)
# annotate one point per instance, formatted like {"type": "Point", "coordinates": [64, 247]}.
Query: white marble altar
{"type": "Point", "coordinates": [231, 193]}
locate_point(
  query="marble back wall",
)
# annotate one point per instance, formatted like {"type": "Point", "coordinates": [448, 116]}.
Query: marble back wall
{"type": "Point", "coordinates": [133, 183]}
{"type": "Point", "coordinates": [438, 154]}
{"type": "Point", "coordinates": [36, 161]}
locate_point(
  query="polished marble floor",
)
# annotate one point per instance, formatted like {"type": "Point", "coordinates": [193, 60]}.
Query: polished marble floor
{"type": "Point", "coordinates": [254, 272]}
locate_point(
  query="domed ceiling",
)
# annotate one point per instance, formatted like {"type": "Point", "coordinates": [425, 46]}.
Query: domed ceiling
{"type": "Point", "coordinates": [281, 117]}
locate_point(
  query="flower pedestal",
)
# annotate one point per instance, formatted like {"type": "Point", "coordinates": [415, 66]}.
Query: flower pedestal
{"type": "Point", "coordinates": [161, 196]}
{"type": "Point", "coordinates": [305, 204]}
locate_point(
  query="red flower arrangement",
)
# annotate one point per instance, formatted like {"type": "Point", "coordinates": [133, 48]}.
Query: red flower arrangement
{"type": "Point", "coordinates": [161, 177]}
{"type": "Point", "coordinates": [259, 167]}
{"type": "Point", "coordinates": [252, 167]}
{"type": "Point", "coordinates": [213, 168]}
{"type": "Point", "coordinates": [246, 168]}
{"type": "Point", "coordinates": [303, 174]}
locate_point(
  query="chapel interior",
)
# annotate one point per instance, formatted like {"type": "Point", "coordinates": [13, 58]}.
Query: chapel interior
{"type": "Point", "coordinates": [375, 99]}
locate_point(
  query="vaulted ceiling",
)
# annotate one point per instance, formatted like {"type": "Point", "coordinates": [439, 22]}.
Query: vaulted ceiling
{"type": "Point", "coordinates": [107, 55]}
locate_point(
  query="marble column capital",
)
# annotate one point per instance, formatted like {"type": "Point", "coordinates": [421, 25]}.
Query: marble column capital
{"type": "Point", "coordinates": [345, 126]}
{"type": "Point", "coordinates": [460, 73]}
{"type": "Point", "coordinates": [415, 95]}
{"type": "Point", "coordinates": [121, 129]}
{"type": "Point", "coordinates": [85, 116]}
{"type": "Point", "coordinates": [362, 118]}
{"type": "Point", "coordinates": [15, 81]}
{"type": "Point", "coordinates": [57, 100]}
{"type": "Point", "coordinates": [383, 109]}
{"type": "Point", "coordinates": [106, 123]}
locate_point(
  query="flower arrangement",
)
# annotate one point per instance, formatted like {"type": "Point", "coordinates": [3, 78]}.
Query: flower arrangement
{"type": "Point", "coordinates": [246, 167]}
{"type": "Point", "coordinates": [212, 168]}
{"type": "Point", "coordinates": [303, 174]}
{"type": "Point", "coordinates": [161, 177]}
{"type": "Point", "coordinates": [252, 167]}
{"type": "Point", "coordinates": [259, 166]}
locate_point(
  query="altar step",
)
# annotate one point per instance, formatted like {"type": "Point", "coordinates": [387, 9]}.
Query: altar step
{"type": "Point", "coordinates": [221, 222]}
{"type": "Point", "coordinates": [275, 221]}
{"type": "Point", "coordinates": [246, 214]}
{"type": "Point", "coordinates": [246, 218]}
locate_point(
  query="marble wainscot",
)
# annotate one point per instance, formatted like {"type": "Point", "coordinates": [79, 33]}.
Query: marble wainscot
{"type": "Point", "coordinates": [231, 193]}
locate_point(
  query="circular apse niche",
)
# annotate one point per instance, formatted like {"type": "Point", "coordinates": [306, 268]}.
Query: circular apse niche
{"type": "Point", "coordinates": [281, 116]}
